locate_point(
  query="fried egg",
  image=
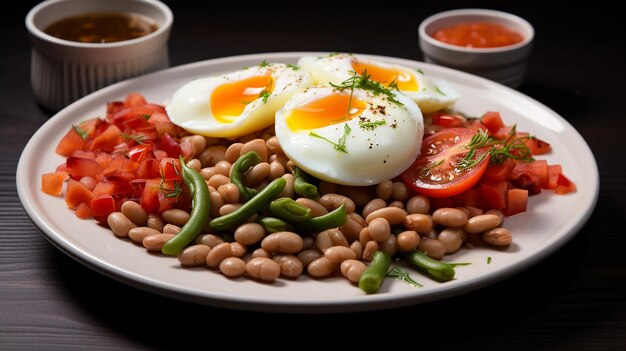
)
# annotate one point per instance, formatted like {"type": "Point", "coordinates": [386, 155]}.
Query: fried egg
{"type": "Point", "coordinates": [350, 136]}
{"type": "Point", "coordinates": [430, 94]}
{"type": "Point", "coordinates": [236, 103]}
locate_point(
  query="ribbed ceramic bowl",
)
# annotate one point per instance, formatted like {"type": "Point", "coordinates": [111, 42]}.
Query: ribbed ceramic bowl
{"type": "Point", "coordinates": [63, 71]}
{"type": "Point", "coordinates": [506, 64]}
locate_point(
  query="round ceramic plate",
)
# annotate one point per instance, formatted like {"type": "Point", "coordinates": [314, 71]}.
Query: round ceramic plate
{"type": "Point", "coordinates": [551, 220]}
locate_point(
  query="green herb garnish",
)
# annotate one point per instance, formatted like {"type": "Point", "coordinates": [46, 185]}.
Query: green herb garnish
{"type": "Point", "coordinates": [138, 138]}
{"type": "Point", "coordinates": [293, 67]}
{"type": "Point", "coordinates": [264, 63]}
{"type": "Point", "coordinates": [364, 82]}
{"type": "Point", "coordinates": [340, 145]}
{"type": "Point", "coordinates": [82, 133]}
{"type": "Point", "coordinates": [489, 260]}
{"type": "Point", "coordinates": [439, 91]}
{"type": "Point", "coordinates": [371, 125]}
{"type": "Point", "coordinates": [265, 95]}
{"type": "Point", "coordinates": [400, 274]}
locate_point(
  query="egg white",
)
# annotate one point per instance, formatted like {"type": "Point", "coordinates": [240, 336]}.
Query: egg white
{"type": "Point", "coordinates": [190, 105]}
{"type": "Point", "coordinates": [372, 155]}
{"type": "Point", "coordinates": [432, 95]}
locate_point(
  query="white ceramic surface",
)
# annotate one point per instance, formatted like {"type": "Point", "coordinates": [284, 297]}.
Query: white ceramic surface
{"type": "Point", "coordinates": [506, 65]}
{"type": "Point", "coordinates": [62, 71]}
{"type": "Point", "coordinates": [550, 221]}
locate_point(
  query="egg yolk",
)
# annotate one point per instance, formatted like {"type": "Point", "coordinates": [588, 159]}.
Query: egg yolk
{"type": "Point", "coordinates": [329, 110]}
{"type": "Point", "coordinates": [229, 100]}
{"type": "Point", "coordinates": [404, 79]}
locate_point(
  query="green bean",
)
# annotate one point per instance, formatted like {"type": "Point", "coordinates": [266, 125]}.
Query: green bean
{"type": "Point", "coordinates": [273, 224]}
{"type": "Point", "coordinates": [302, 184]}
{"type": "Point", "coordinates": [255, 205]}
{"type": "Point", "coordinates": [372, 278]}
{"type": "Point", "coordinates": [200, 207]}
{"type": "Point", "coordinates": [436, 269]}
{"type": "Point", "coordinates": [286, 208]}
{"type": "Point", "coordinates": [332, 219]}
{"type": "Point", "coordinates": [244, 163]}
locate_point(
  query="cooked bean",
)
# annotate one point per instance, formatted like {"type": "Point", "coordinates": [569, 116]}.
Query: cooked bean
{"type": "Point", "coordinates": [332, 201]}
{"type": "Point", "coordinates": [228, 208]}
{"type": "Point", "coordinates": [368, 251]}
{"type": "Point", "coordinates": [171, 229]}
{"type": "Point", "coordinates": [280, 158]}
{"type": "Point", "coordinates": [308, 256]}
{"type": "Point", "coordinates": [237, 249]}
{"type": "Point", "coordinates": [232, 267]}
{"type": "Point", "coordinates": [464, 209]}
{"type": "Point", "coordinates": [400, 191]}
{"type": "Point", "coordinates": [393, 215]}
{"type": "Point", "coordinates": [357, 218]}
{"type": "Point", "coordinates": [450, 217]}
{"type": "Point", "coordinates": [256, 173]}
{"type": "Point", "coordinates": [307, 242]}
{"type": "Point", "coordinates": [452, 239]}
{"type": "Point", "coordinates": [497, 213]}
{"type": "Point", "coordinates": [233, 152]}
{"type": "Point", "coordinates": [396, 203]}
{"type": "Point", "coordinates": [432, 234]}
{"type": "Point", "coordinates": [323, 241]}
{"type": "Point", "coordinates": [317, 209]}
{"type": "Point", "coordinates": [408, 241]}
{"type": "Point", "coordinates": [194, 164]}
{"type": "Point", "coordinates": [273, 145]}
{"type": "Point", "coordinates": [210, 240]}
{"type": "Point", "coordinates": [208, 172]}
{"type": "Point", "coordinates": [357, 248]}
{"type": "Point", "coordinates": [290, 265]}
{"type": "Point", "coordinates": [155, 242]}
{"type": "Point", "coordinates": [211, 141]}
{"type": "Point", "coordinates": [359, 195]}
{"type": "Point", "coordinates": [198, 143]}
{"type": "Point", "coordinates": [276, 170]}
{"type": "Point", "coordinates": [474, 211]}
{"type": "Point", "coordinates": [498, 237]}
{"type": "Point", "coordinates": [216, 203]}
{"type": "Point", "coordinates": [421, 223]}
{"type": "Point", "coordinates": [482, 223]}
{"type": "Point", "coordinates": [337, 237]}
{"type": "Point", "coordinates": [257, 145]}
{"type": "Point", "coordinates": [137, 234]}
{"type": "Point", "coordinates": [261, 253]}
{"type": "Point", "coordinates": [217, 180]}
{"type": "Point", "coordinates": [135, 213]}
{"type": "Point", "coordinates": [352, 269]}
{"type": "Point", "coordinates": [384, 190]}
{"type": "Point", "coordinates": [418, 204]}
{"type": "Point", "coordinates": [364, 236]}
{"type": "Point", "coordinates": [375, 204]}
{"type": "Point", "coordinates": [433, 248]}
{"type": "Point", "coordinates": [379, 229]}
{"type": "Point", "coordinates": [288, 190]}
{"type": "Point", "coordinates": [389, 245]}
{"type": "Point", "coordinates": [351, 228]}
{"type": "Point", "coordinates": [223, 168]}
{"type": "Point", "coordinates": [249, 233]}
{"type": "Point", "coordinates": [218, 254]}
{"type": "Point", "coordinates": [120, 224]}
{"type": "Point", "coordinates": [229, 192]}
{"type": "Point", "coordinates": [212, 155]}
{"type": "Point", "coordinates": [322, 267]}
{"type": "Point", "coordinates": [338, 254]}
{"type": "Point", "coordinates": [282, 242]}
{"type": "Point", "coordinates": [263, 268]}
{"type": "Point", "coordinates": [175, 216]}
{"type": "Point", "coordinates": [194, 255]}
{"type": "Point", "coordinates": [155, 222]}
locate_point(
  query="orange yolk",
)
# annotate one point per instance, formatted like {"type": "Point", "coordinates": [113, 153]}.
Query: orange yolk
{"type": "Point", "coordinates": [329, 110]}
{"type": "Point", "coordinates": [230, 99]}
{"type": "Point", "coordinates": [405, 80]}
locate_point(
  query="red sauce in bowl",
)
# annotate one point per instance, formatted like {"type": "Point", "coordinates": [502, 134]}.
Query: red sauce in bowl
{"type": "Point", "coordinates": [478, 35]}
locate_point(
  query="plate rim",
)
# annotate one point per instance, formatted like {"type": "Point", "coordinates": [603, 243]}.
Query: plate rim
{"type": "Point", "coordinates": [370, 302]}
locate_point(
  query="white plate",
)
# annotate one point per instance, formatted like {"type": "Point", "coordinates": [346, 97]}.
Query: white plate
{"type": "Point", "coordinates": [549, 223]}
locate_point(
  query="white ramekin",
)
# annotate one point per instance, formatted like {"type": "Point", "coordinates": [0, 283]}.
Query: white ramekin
{"type": "Point", "coordinates": [63, 71]}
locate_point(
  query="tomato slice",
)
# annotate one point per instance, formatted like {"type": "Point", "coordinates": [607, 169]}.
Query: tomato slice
{"type": "Point", "coordinates": [438, 173]}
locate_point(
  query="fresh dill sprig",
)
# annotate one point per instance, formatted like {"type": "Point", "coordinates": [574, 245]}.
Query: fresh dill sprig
{"type": "Point", "coordinates": [82, 133]}
{"type": "Point", "coordinates": [398, 273]}
{"type": "Point", "coordinates": [371, 125]}
{"type": "Point", "coordinates": [138, 138]}
{"type": "Point", "coordinates": [363, 81]}
{"type": "Point", "coordinates": [265, 95]}
{"type": "Point", "coordinates": [264, 63]}
{"type": "Point", "coordinates": [340, 145]}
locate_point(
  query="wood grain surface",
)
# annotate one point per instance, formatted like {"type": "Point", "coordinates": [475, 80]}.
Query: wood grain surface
{"type": "Point", "coordinates": [573, 300]}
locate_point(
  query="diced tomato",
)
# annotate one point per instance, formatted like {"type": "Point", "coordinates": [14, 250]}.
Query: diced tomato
{"type": "Point", "coordinates": [113, 107]}
{"type": "Point", "coordinates": [70, 142]}
{"type": "Point", "coordinates": [134, 99]}
{"type": "Point", "coordinates": [102, 205]}
{"type": "Point", "coordinates": [163, 124]}
{"type": "Point", "coordinates": [77, 193]}
{"type": "Point", "coordinates": [83, 211]}
{"type": "Point", "coordinates": [138, 153]}
{"type": "Point", "coordinates": [149, 200]}
{"type": "Point", "coordinates": [476, 125]}
{"type": "Point", "coordinates": [448, 120]}
{"type": "Point", "coordinates": [473, 197]}
{"type": "Point", "coordinates": [104, 188]}
{"type": "Point", "coordinates": [495, 194]}
{"type": "Point", "coordinates": [149, 168]}
{"type": "Point", "coordinates": [170, 169]}
{"type": "Point", "coordinates": [52, 183]}
{"type": "Point", "coordinates": [554, 171]}
{"type": "Point", "coordinates": [78, 167]}
{"type": "Point", "coordinates": [90, 182]}
{"type": "Point", "coordinates": [170, 145]}
{"type": "Point", "coordinates": [517, 201]}
{"type": "Point", "coordinates": [498, 173]}
{"type": "Point", "coordinates": [107, 140]}
{"type": "Point", "coordinates": [564, 185]}
{"type": "Point", "coordinates": [505, 132]}
{"type": "Point", "coordinates": [492, 121]}
{"type": "Point", "coordinates": [537, 146]}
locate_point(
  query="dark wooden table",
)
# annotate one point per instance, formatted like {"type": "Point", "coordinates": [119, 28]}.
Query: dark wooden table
{"type": "Point", "coordinates": [573, 300]}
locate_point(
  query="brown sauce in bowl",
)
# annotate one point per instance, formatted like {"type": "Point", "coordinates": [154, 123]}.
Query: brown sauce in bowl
{"type": "Point", "coordinates": [102, 27]}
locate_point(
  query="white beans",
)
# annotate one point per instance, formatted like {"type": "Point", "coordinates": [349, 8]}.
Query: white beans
{"type": "Point", "coordinates": [263, 268]}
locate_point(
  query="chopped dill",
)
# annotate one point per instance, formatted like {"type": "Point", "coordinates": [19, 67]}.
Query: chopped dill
{"type": "Point", "coordinates": [265, 95]}
{"type": "Point", "coordinates": [138, 138]}
{"type": "Point", "coordinates": [293, 67]}
{"type": "Point", "coordinates": [365, 83]}
{"type": "Point", "coordinates": [371, 125]}
{"type": "Point", "coordinates": [400, 274]}
{"type": "Point", "coordinates": [489, 260]}
{"type": "Point", "coordinates": [439, 91]}
{"type": "Point", "coordinates": [264, 63]}
{"type": "Point", "coordinates": [340, 145]}
{"type": "Point", "coordinates": [82, 133]}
